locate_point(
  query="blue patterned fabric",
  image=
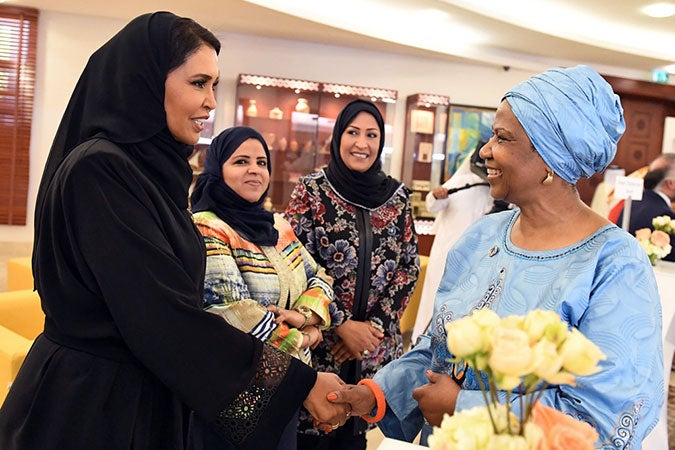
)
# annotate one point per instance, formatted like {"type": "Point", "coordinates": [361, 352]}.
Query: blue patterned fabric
{"type": "Point", "coordinates": [572, 117]}
{"type": "Point", "coordinates": [603, 285]}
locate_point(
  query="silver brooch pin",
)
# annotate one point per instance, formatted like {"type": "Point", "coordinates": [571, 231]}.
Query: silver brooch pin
{"type": "Point", "coordinates": [493, 251]}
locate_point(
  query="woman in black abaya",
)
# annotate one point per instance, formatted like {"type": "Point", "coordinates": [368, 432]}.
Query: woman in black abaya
{"type": "Point", "coordinates": [127, 350]}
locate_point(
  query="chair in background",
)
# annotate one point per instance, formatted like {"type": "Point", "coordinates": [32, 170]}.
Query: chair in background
{"type": "Point", "coordinates": [410, 312]}
{"type": "Point", "coordinates": [19, 274]}
{"type": "Point", "coordinates": [21, 321]}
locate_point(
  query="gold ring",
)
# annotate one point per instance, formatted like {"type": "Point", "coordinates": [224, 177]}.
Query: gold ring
{"type": "Point", "coordinates": [335, 427]}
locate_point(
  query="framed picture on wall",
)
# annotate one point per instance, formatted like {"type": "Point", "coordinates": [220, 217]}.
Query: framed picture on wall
{"type": "Point", "coordinates": [467, 126]}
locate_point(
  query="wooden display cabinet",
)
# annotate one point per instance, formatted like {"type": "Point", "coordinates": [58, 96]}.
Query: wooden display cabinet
{"type": "Point", "coordinates": [196, 160]}
{"type": "Point", "coordinates": [424, 147]}
{"type": "Point", "coordinates": [296, 118]}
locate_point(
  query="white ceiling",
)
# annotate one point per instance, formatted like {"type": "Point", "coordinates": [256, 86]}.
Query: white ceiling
{"type": "Point", "coordinates": [528, 34]}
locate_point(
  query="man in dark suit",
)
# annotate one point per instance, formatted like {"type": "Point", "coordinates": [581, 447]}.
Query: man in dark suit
{"type": "Point", "coordinates": [659, 192]}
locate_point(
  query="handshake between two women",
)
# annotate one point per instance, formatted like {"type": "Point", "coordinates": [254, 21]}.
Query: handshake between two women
{"type": "Point", "coordinates": [332, 402]}
{"type": "Point", "coordinates": [365, 399]}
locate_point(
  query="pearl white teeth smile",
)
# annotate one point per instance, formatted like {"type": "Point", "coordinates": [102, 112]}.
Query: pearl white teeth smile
{"type": "Point", "coordinates": [360, 155]}
{"type": "Point", "coordinates": [493, 171]}
{"type": "Point", "coordinates": [199, 122]}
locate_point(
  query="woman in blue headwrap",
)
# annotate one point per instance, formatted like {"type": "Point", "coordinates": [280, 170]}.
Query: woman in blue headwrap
{"type": "Point", "coordinates": [259, 277]}
{"type": "Point", "coordinates": [553, 253]}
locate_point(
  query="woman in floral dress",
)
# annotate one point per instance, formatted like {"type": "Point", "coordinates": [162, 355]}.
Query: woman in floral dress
{"type": "Point", "coordinates": [357, 223]}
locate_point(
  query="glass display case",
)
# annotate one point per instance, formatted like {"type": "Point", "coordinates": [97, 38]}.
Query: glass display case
{"type": "Point", "coordinates": [424, 146]}
{"type": "Point", "coordinates": [296, 118]}
{"type": "Point", "coordinates": [196, 160]}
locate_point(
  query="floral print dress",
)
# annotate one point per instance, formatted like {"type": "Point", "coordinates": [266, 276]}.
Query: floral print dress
{"type": "Point", "coordinates": [349, 240]}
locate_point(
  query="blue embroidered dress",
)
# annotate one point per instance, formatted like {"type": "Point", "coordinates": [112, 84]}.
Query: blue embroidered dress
{"type": "Point", "coordinates": [603, 285]}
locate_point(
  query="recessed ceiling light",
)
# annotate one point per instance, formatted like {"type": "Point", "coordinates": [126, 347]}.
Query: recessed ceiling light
{"type": "Point", "coordinates": [659, 10]}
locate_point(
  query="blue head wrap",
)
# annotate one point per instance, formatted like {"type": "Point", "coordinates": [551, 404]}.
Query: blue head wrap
{"type": "Point", "coordinates": [573, 118]}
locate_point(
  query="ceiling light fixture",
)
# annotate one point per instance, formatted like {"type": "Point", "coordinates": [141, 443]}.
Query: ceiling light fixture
{"type": "Point", "coordinates": [431, 15]}
{"type": "Point", "coordinates": [659, 10]}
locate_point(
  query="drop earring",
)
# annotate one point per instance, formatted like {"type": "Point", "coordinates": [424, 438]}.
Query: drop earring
{"type": "Point", "coordinates": [548, 180]}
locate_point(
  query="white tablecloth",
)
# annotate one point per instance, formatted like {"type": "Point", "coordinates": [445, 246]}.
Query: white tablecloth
{"type": "Point", "coordinates": [665, 278]}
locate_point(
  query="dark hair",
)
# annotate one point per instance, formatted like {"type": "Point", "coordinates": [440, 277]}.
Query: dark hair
{"type": "Point", "coordinates": [186, 37]}
{"type": "Point", "coordinates": [478, 163]}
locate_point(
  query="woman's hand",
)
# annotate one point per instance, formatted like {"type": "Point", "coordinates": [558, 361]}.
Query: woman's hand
{"type": "Point", "coordinates": [312, 337]}
{"type": "Point", "coordinates": [437, 398]}
{"type": "Point", "coordinates": [293, 318]}
{"type": "Point", "coordinates": [324, 412]}
{"type": "Point", "coordinates": [361, 399]}
{"type": "Point", "coordinates": [358, 340]}
{"type": "Point", "coordinates": [341, 353]}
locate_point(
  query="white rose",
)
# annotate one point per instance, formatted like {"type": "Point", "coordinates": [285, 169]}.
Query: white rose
{"type": "Point", "coordinates": [465, 338]}
{"type": "Point", "coordinates": [513, 323]}
{"type": "Point", "coordinates": [507, 442]}
{"type": "Point", "coordinates": [661, 221]}
{"type": "Point", "coordinates": [511, 354]}
{"type": "Point", "coordinates": [580, 356]}
{"type": "Point", "coordinates": [547, 364]}
{"type": "Point", "coordinates": [545, 360]}
{"type": "Point", "coordinates": [486, 318]}
{"type": "Point", "coordinates": [469, 336]}
{"type": "Point", "coordinates": [538, 321]}
{"type": "Point", "coordinates": [468, 429]}
{"type": "Point", "coordinates": [533, 434]}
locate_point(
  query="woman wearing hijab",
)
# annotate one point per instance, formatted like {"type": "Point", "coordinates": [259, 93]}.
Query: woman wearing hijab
{"type": "Point", "coordinates": [259, 277]}
{"type": "Point", "coordinates": [553, 253]}
{"type": "Point", "coordinates": [119, 267]}
{"type": "Point", "coordinates": [357, 223]}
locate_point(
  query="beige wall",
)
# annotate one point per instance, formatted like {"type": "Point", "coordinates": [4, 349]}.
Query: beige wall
{"type": "Point", "coordinates": [66, 41]}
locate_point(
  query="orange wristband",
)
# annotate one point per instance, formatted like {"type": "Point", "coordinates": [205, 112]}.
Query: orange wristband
{"type": "Point", "coordinates": [379, 397]}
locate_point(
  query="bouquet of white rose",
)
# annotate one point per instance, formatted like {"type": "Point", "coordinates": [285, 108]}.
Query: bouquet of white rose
{"type": "Point", "coordinates": [664, 223]}
{"type": "Point", "coordinates": [525, 354]}
{"type": "Point", "coordinates": [656, 243]}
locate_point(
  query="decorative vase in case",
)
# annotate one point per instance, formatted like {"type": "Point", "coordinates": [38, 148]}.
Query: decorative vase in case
{"type": "Point", "coordinates": [252, 110]}
{"type": "Point", "coordinates": [276, 113]}
{"type": "Point", "coordinates": [302, 105]}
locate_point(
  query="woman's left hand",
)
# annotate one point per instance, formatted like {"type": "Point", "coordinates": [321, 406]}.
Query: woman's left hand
{"type": "Point", "coordinates": [293, 318]}
{"type": "Point", "coordinates": [358, 340]}
{"type": "Point", "coordinates": [437, 398]}
{"type": "Point", "coordinates": [314, 336]}
{"type": "Point", "coordinates": [341, 353]}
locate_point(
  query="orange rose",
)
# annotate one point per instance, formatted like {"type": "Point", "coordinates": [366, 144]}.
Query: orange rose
{"type": "Point", "coordinates": [562, 432]}
{"type": "Point", "coordinates": [643, 234]}
{"type": "Point", "coordinates": [659, 238]}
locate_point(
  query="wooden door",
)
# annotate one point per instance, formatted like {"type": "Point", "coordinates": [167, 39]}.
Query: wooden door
{"type": "Point", "coordinates": [646, 106]}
